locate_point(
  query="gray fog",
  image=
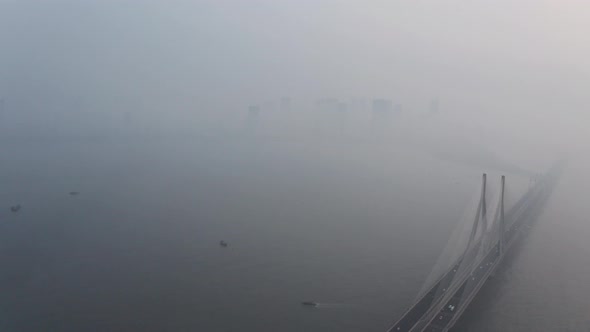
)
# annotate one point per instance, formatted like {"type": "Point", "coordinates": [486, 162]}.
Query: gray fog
{"type": "Point", "coordinates": [210, 165]}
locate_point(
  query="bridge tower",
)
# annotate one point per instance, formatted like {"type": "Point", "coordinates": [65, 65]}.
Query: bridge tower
{"type": "Point", "coordinates": [481, 212]}
{"type": "Point", "coordinates": [502, 223]}
{"type": "Point", "coordinates": [484, 213]}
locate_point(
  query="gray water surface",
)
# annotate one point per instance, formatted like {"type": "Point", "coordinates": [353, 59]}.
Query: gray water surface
{"type": "Point", "coordinates": [355, 227]}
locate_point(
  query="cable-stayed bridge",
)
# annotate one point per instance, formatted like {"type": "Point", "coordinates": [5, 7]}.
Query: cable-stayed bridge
{"type": "Point", "coordinates": [439, 307]}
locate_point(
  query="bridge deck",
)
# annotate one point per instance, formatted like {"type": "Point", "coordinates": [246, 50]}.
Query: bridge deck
{"type": "Point", "coordinates": [440, 307]}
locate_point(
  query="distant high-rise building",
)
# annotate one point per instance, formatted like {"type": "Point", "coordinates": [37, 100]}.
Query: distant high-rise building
{"type": "Point", "coordinates": [326, 104]}
{"type": "Point", "coordinates": [381, 107]}
{"type": "Point", "coordinates": [331, 116]}
{"type": "Point", "coordinates": [434, 106]}
{"type": "Point", "coordinates": [331, 105]}
{"type": "Point", "coordinates": [128, 118]}
{"type": "Point", "coordinates": [252, 117]}
{"type": "Point", "coordinates": [381, 120]}
{"type": "Point", "coordinates": [285, 104]}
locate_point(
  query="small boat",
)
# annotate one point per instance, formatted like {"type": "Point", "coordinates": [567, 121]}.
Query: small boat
{"type": "Point", "coordinates": [223, 244]}
{"type": "Point", "coordinates": [74, 193]}
{"type": "Point", "coordinates": [309, 303]}
{"type": "Point", "coordinates": [15, 208]}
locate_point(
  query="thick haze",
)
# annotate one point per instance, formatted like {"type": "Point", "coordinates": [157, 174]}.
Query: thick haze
{"type": "Point", "coordinates": [334, 145]}
{"type": "Point", "coordinates": [515, 64]}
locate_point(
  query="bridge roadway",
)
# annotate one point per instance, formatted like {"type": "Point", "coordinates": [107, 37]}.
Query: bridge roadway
{"type": "Point", "coordinates": [455, 304]}
{"type": "Point", "coordinates": [441, 306]}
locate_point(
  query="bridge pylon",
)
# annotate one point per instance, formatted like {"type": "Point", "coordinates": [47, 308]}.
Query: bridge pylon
{"type": "Point", "coordinates": [480, 214]}
{"type": "Point", "coordinates": [446, 299]}
{"type": "Point", "coordinates": [502, 224]}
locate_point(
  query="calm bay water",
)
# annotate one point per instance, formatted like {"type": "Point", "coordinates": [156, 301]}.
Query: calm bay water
{"type": "Point", "coordinates": [355, 227]}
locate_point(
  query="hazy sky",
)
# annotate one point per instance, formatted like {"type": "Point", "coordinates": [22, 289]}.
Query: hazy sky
{"type": "Point", "coordinates": [506, 57]}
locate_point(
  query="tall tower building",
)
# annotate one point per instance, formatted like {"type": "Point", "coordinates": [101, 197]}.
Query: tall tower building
{"type": "Point", "coordinates": [434, 106]}
{"type": "Point", "coordinates": [285, 104]}
{"type": "Point", "coordinates": [381, 108]}
{"type": "Point", "coordinates": [253, 117]}
{"type": "Point", "coordinates": [381, 115]}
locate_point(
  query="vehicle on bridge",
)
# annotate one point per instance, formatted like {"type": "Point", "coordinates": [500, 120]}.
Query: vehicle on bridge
{"type": "Point", "coordinates": [445, 300]}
